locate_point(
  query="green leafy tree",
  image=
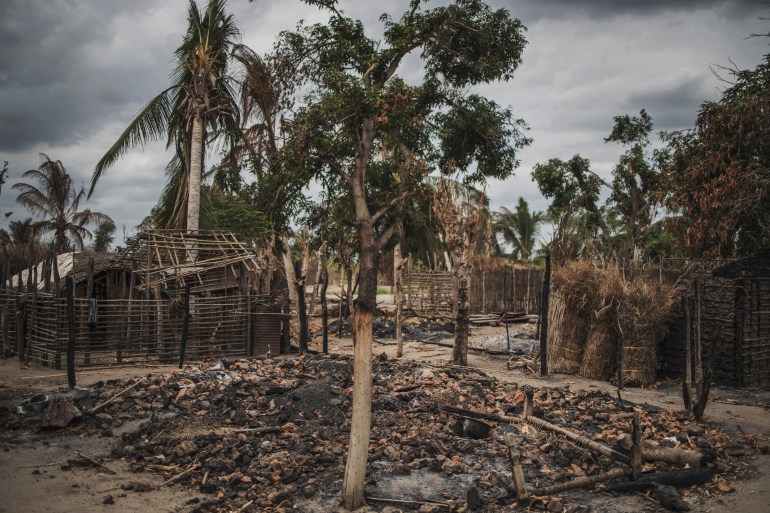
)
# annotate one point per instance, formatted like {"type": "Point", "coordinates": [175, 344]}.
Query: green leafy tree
{"type": "Point", "coordinates": [358, 111]}
{"type": "Point", "coordinates": [574, 193]}
{"type": "Point", "coordinates": [719, 171]}
{"type": "Point", "coordinates": [636, 180]}
{"type": "Point", "coordinates": [53, 196]}
{"type": "Point", "coordinates": [235, 212]}
{"type": "Point", "coordinates": [519, 229]}
{"type": "Point", "coordinates": [201, 104]}
{"type": "Point", "coordinates": [104, 235]}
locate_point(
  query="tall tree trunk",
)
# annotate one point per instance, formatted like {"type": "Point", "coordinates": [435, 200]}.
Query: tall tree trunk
{"type": "Point", "coordinates": [324, 308]}
{"type": "Point", "coordinates": [288, 293]}
{"type": "Point", "coordinates": [196, 172]}
{"type": "Point", "coordinates": [360, 425]}
{"type": "Point", "coordinates": [299, 283]}
{"type": "Point", "coordinates": [462, 310]}
{"type": "Point", "coordinates": [398, 299]}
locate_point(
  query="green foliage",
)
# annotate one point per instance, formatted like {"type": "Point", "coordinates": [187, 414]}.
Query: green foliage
{"type": "Point", "coordinates": [201, 86]}
{"type": "Point", "coordinates": [360, 117]}
{"type": "Point", "coordinates": [54, 197]}
{"type": "Point", "coordinates": [568, 184]}
{"type": "Point", "coordinates": [236, 213]}
{"type": "Point", "coordinates": [519, 229]}
{"type": "Point", "coordinates": [104, 235]}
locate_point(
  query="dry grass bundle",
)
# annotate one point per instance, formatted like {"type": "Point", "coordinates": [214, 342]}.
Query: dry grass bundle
{"type": "Point", "coordinates": [643, 315]}
{"type": "Point", "coordinates": [577, 285]}
{"type": "Point", "coordinates": [599, 357]}
{"type": "Point", "coordinates": [586, 337]}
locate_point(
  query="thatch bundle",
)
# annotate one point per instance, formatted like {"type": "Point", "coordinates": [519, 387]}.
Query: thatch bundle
{"type": "Point", "coordinates": [643, 316]}
{"type": "Point", "coordinates": [598, 306]}
{"type": "Point", "coordinates": [576, 285]}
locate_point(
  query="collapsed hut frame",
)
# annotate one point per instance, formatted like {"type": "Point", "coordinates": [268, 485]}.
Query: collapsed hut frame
{"type": "Point", "coordinates": [169, 290]}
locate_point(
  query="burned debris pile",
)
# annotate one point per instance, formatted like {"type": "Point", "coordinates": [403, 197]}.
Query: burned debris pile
{"type": "Point", "coordinates": [271, 435]}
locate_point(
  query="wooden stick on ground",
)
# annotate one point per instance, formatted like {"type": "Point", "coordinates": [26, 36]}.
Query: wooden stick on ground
{"type": "Point", "coordinates": [108, 401]}
{"type": "Point", "coordinates": [583, 482]}
{"type": "Point", "coordinates": [408, 502]}
{"type": "Point", "coordinates": [97, 463]}
{"type": "Point", "coordinates": [194, 466]}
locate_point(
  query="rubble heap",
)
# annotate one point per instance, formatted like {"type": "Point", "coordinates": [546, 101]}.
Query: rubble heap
{"type": "Point", "coordinates": [271, 435]}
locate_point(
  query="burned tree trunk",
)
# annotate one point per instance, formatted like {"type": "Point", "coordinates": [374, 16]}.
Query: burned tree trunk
{"type": "Point", "coordinates": [398, 295]}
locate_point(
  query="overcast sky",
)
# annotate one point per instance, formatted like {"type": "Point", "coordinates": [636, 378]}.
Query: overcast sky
{"type": "Point", "coordinates": [74, 73]}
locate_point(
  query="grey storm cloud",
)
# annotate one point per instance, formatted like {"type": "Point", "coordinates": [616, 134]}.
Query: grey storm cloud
{"type": "Point", "coordinates": [74, 73]}
{"type": "Point", "coordinates": [55, 87]}
{"type": "Point", "coordinates": [561, 9]}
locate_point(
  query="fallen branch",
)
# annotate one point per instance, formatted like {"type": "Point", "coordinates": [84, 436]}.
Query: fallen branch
{"type": "Point", "coordinates": [668, 454]}
{"type": "Point", "coordinates": [408, 502]}
{"type": "Point", "coordinates": [97, 463]}
{"type": "Point", "coordinates": [677, 478]}
{"type": "Point", "coordinates": [194, 466]}
{"type": "Point", "coordinates": [534, 421]}
{"type": "Point", "coordinates": [583, 482]}
{"type": "Point", "coordinates": [111, 399]}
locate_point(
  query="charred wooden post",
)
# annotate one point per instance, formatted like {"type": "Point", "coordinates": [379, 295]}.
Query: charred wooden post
{"type": "Point", "coordinates": [519, 484]}
{"type": "Point", "coordinates": [544, 317]}
{"type": "Point", "coordinates": [185, 324]}
{"type": "Point", "coordinates": [325, 306]}
{"type": "Point", "coordinates": [636, 447]}
{"type": "Point", "coordinates": [70, 286]}
{"type": "Point", "coordinates": [619, 337]}
{"type": "Point", "coordinates": [740, 305]}
{"type": "Point", "coordinates": [90, 297]}
{"type": "Point", "coordinates": [687, 378]}
{"type": "Point", "coordinates": [583, 482]}
{"type": "Point", "coordinates": [301, 308]}
{"type": "Point", "coordinates": [398, 293]}
{"type": "Point", "coordinates": [32, 315]}
{"type": "Point", "coordinates": [528, 405]}
{"type": "Point", "coordinates": [697, 339]}
{"type": "Point", "coordinates": [5, 330]}
{"type": "Point", "coordinates": [21, 321]}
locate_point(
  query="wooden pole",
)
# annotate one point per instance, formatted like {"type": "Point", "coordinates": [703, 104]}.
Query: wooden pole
{"type": "Point", "coordinates": [636, 447]}
{"type": "Point", "coordinates": [519, 484]}
{"type": "Point", "coordinates": [544, 317]}
{"type": "Point", "coordinates": [687, 379]}
{"type": "Point", "coordinates": [619, 337]}
{"type": "Point", "coordinates": [20, 322]}
{"type": "Point", "coordinates": [70, 331]}
{"type": "Point", "coordinates": [186, 324]}
{"type": "Point", "coordinates": [324, 306]}
{"type": "Point", "coordinates": [583, 482]}
{"type": "Point", "coordinates": [738, 328]}
{"type": "Point", "coordinates": [698, 352]}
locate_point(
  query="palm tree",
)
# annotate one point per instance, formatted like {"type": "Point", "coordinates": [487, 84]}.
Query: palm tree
{"type": "Point", "coordinates": [519, 229]}
{"type": "Point", "coordinates": [56, 199]}
{"type": "Point", "coordinates": [199, 106]}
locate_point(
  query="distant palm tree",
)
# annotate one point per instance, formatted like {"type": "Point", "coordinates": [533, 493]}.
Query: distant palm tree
{"type": "Point", "coordinates": [200, 104]}
{"type": "Point", "coordinates": [56, 199]}
{"type": "Point", "coordinates": [519, 229]}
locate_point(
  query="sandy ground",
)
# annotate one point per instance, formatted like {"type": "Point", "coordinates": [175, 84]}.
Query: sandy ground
{"type": "Point", "coordinates": [35, 477]}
